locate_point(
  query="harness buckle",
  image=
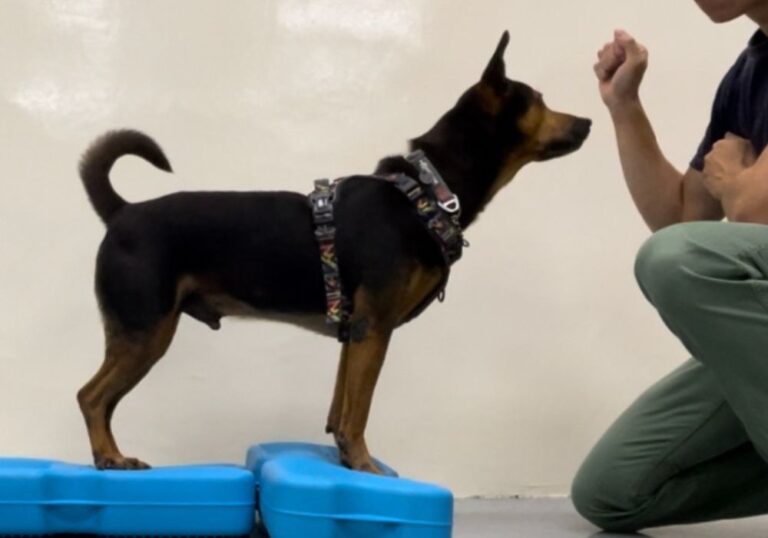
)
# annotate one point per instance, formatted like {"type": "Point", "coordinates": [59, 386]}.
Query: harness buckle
{"type": "Point", "coordinates": [408, 186]}
{"type": "Point", "coordinates": [322, 208]}
{"type": "Point", "coordinates": [414, 192]}
{"type": "Point", "coordinates": [451, 205]}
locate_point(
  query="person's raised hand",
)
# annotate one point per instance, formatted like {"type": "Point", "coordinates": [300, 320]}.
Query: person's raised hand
{"type": "Point", "coordinates": [620, 68]}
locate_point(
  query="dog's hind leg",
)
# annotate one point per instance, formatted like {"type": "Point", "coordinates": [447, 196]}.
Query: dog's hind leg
{"type": "Point", "coordinates": [337, 405]}
{"type": "Point", "coordinates": [129, 356]}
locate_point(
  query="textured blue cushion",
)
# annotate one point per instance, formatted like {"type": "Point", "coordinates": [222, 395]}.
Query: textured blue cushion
{"type": "Point", "coordinates": [305, 492]}
{"type": "Point", "coordinates": [46, 497]}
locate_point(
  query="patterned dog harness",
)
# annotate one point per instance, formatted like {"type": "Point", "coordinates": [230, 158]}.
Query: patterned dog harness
{"type": "Point", "coordinates": [437, 207]}
{"type": "Point", "coordinates": [336, 307]}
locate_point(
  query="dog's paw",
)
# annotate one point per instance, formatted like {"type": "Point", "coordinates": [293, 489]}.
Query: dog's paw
{"type": "Point", "coordinates": [370, 467]}
{"type": "Point", "coordinates": [362, 463]}
{"type": "Point", "coordinates": [363, 466]}
{"type": "Point", "coordinates": [121, 463]}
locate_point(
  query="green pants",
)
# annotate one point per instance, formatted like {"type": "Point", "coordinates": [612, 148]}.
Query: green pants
{"type": "Point", "coordinates": [694, 446]}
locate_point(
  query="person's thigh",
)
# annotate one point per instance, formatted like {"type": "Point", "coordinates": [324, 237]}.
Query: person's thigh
{"type": "Point", "coordinates": [709, 283]}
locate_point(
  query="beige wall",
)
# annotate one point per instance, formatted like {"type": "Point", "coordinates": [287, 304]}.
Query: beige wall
{"type": "Point", "coordinates": [502, 389]}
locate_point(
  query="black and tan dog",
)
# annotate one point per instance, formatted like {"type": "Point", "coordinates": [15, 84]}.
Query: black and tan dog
{"type": "Point", "coordinates": [212, 254]}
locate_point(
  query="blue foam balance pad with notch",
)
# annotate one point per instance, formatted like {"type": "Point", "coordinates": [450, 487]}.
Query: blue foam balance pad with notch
{"type": "Point", "coordinates": [304, 492]}
{"type": "Point", "coordinates": [40, 497]}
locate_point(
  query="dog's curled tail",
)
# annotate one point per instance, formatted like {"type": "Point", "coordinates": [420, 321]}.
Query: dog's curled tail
{"type": "Point", "coordinates": [98, 159]}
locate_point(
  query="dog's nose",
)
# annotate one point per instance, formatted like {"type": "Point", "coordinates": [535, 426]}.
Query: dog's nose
{"type": "Point", "coordinates": [582, 127]}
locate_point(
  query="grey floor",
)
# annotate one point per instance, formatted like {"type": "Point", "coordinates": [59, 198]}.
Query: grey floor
{"type": "Point", "coordinates": [528, 518]}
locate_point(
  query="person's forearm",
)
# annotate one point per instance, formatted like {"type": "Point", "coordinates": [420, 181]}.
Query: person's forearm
{"type": "Point", "coordinates": [655, 185]}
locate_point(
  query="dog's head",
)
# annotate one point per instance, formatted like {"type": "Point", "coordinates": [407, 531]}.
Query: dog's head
{"type": "Point", "coordinates": [497, 126]}
{"type": "Point", "coordinates": [517, 117]}
{"type": "Point", "coordinates": [506, 122]}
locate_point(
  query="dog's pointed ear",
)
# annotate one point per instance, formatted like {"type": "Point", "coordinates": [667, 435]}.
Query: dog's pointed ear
{"type": "Point", "coordinates": [495, 72]}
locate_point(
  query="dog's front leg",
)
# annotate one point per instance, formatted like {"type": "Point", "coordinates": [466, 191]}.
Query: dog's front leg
{"type": "Point", "coordinates": [363, 360]}
{"type": "Point", "coordinates": [337, 405]}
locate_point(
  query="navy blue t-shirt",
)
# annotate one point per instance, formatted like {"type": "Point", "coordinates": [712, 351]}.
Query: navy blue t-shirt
{"type": "Point", "coordinates": [741, 103]}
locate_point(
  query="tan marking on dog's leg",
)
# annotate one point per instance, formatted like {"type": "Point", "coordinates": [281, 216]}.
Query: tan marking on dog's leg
{"type": "Point", "coordinates": [419, 285]}
{"type": "Point", "coordinates": [364, 361]}
{"type": "Point", "coordinates": [337, 405]}
{"type": "Point", "coordinates": [128, 358]}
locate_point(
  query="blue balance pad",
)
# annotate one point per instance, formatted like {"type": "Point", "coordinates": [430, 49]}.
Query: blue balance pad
{"type": "Point", "coordinates": [303, 492]}
{"type": "Point", "coordinates": [47, 497]}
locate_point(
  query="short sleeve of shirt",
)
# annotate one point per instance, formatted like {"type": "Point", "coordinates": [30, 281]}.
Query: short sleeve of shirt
{"type": "Point", "coordinates": [720, 120]}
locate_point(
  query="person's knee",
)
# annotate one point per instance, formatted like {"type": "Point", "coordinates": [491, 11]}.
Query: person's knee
{"type": "Point", "coordinates": [666, 266]}
{"type": "Point", "coordinates": [584, 498]}
{"type": "Point", "coordinates": [602, 500]}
